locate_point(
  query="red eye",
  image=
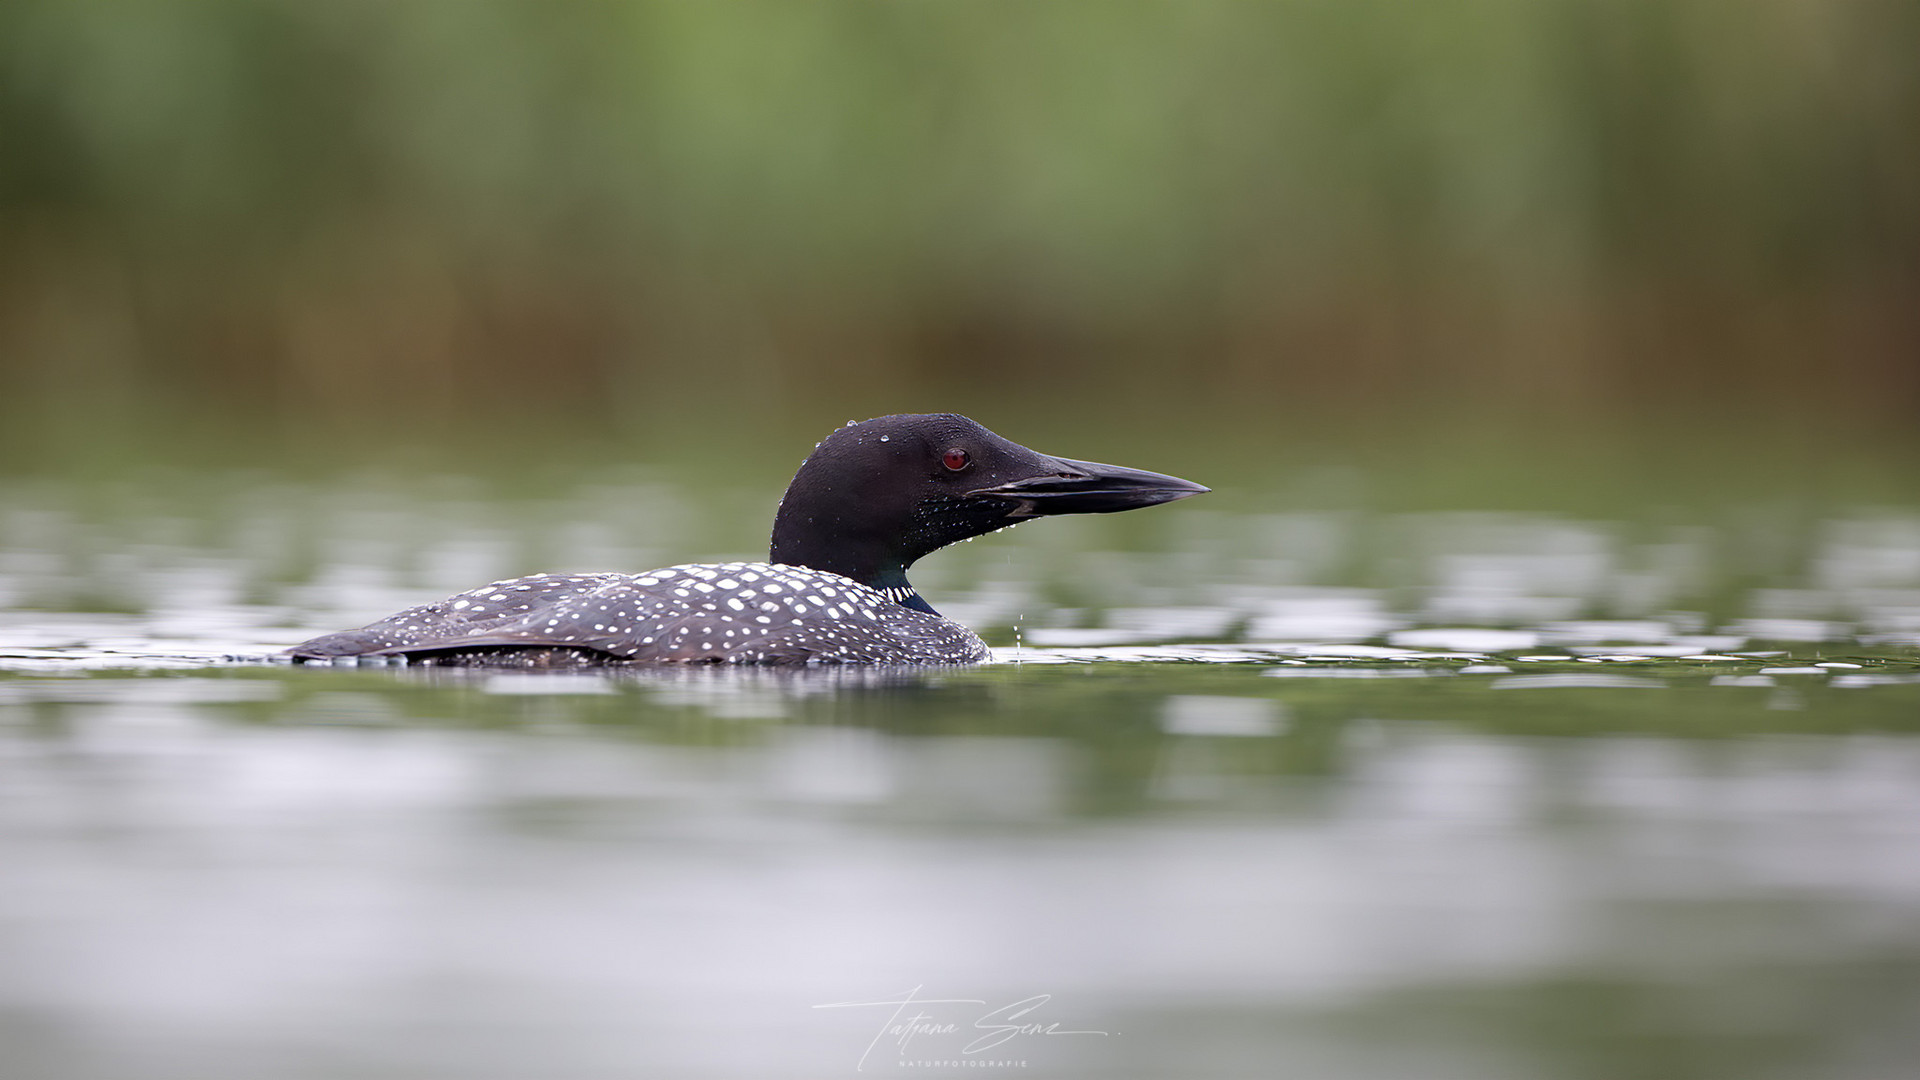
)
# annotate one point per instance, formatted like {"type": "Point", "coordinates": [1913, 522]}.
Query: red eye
{"type": "Point", "coordinates": [955, 459]}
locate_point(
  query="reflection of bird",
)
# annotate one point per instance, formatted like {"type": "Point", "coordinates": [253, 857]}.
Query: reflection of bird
{"type": "Point", "coordinates": [874, 497]}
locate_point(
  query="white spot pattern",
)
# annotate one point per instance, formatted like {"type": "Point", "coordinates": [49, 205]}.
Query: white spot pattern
{"type": "Point", "coordinates": [649, 619]}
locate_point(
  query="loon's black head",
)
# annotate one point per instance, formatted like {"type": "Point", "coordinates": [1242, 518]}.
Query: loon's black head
{"type": "Point", "coordinates": [877, 495]}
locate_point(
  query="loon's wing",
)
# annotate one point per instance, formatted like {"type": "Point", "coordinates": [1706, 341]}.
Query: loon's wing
{"type": "Point", "coordinates": [604, 613]}
{"type": "Point", "coordinates": [616, 617]}
{"type": "Point", "coordinates": [458, 618]}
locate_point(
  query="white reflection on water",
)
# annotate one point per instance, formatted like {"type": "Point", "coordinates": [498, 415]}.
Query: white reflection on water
{"type": "Point", "coordinates": [338, 900]}
{"type": "Point", "coordinates": [1540, 682]}
{"type": "Point", "coordinates": [1319, 615]}
{"type": "Point", "coordinates": [1220, 715]}
{"type": "Point", "coordinates": [546, 684]}
{"type": "Point", "coordinates": [1467, 639]}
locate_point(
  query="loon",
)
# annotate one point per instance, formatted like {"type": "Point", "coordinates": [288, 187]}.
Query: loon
{"type": "Point", "coordinates": [872, 498]}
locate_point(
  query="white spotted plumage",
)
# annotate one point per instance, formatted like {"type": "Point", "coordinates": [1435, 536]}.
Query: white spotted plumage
{"type": "Point", "coordinates": [647, 618]}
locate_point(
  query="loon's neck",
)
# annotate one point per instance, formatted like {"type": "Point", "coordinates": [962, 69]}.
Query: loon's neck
{"type": "Point", "coordinates": [897, 588]}
{"type": "Point", "coordinates": [849, 559]}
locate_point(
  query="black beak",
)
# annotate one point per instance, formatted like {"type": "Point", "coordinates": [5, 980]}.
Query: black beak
{"type": "Point", "coordinates": [1087, 487]}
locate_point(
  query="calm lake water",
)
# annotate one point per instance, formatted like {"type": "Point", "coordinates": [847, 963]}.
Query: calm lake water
{"type": "Point", "coordinates": [1256, 788]}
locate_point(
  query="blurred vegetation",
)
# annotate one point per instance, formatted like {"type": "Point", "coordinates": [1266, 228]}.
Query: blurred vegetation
{"type": "Point", "coordinates": [454, 223]}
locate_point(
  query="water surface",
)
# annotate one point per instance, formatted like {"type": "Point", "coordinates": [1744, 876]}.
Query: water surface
{"type": "Point", "coordinates": [1263, 790]}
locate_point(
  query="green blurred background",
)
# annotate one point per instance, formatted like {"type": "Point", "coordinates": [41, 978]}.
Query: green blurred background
{"type": "Point", "coordinates": [350, 230]}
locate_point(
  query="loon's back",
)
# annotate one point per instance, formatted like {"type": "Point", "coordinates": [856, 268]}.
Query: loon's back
{"type": "Point", "coordinates": [734, 613]}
